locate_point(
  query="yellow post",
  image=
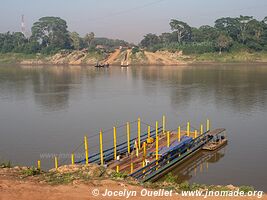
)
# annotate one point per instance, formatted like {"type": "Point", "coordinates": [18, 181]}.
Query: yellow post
{"type": "Point", "coordinates": [139, 132]}
{"type": "Point", "coordinates": [168, 139]}
{"type": "Point", "coordinates": [195, 133]}
{"type": "Point", "coordinates": [136, 149]}
{"type": "Point", "coordinates": [157, 147]}
{"type": "Point", "coordinates": [86, 150]}
{"type": "Point", "coordinates": [163, 123]}
{"type": "Point", "coordinates": [56, 163]}
{"type": "Point", "coordinates": [115, 142]}
{"type": "Point", "coordinates": [128, 137]}
{"type": "Point", "coordinates": [101, 147]}
{"type": "Point", "coordinates": [144, 150]}
{"type": "Point", "coordinates": [179, 133]}
{"type": "Point", "coordinates": [117, 168]}
{"type": "Point", "coordinates": [132, 167]}
{"type": "Point", "coordinates": [188, 129]}
{"type": "Point", "coordinates": [144, 164]}
{"type": "Point", "coordinates": [72, 159]}
{"type": "Point", "coordinates": [157, 127]}
{"type": "Point", "coordinates": [201, 129]}
{"type": "Point", "coordinates": [39, 164]}
{"type": "Point", "coordinates": [148, 132]}
{"type": "Point", "coordinates": [208, 124]}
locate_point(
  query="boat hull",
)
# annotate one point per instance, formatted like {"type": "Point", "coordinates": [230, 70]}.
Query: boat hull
{"type": "Point", "coordinates": [209, 147]}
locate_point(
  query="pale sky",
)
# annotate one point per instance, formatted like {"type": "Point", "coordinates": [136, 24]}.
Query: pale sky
{"type": "Point", "coordinates": [125, 19]}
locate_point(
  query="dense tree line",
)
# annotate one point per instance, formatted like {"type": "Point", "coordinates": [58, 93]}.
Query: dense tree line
{"type": "Point", "coordinates": [49, 35]}
{"type": "Point", "coordinates": [228, 34]}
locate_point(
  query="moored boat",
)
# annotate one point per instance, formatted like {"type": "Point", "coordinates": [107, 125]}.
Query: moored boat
{"type": "Point", "coordinates": [214, 145]}
{"type": "Point", "coordinates": [102, 65]}
{"type": "Point", "coordinates": [216, 142]}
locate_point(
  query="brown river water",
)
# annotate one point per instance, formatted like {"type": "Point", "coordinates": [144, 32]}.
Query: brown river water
{"type": "Point", "coordinates": [46, 111]}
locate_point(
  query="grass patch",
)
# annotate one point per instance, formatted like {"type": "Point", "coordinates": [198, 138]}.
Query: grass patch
{"type": "Point", "coordinates": [120, 175]}
{"type": "Point", "coordinates": [170, 178]}
{"type": "Point", "coordinates": [241, 56]}
{"type": "Point", "coordinates": [94, 55]}
{"type": "Point", "coordinates": [31, 172]}
{"type": "Point", "coordinates": [6, 165]}
{"type": "Point", "coordinates": [184, 186]}
{"type": "Point", "coordinates": [246, 189]}
{"type": "Point", "coordinates": [13, 58]}
{"type": "Point", "coordinates": [56, 178]}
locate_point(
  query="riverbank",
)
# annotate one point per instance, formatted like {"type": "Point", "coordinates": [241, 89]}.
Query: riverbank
{"type": "Point", "coordinates": [80, 182]}
{"type": "Point", "coordinates": [133, 58]}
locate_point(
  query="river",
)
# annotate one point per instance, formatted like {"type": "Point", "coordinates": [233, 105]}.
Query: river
{"type": "Point", "coordinates": [47, 110]}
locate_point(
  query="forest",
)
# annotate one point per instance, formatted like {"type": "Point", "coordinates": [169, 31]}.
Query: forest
{"type": "Point", "coordinates": [50, 35]}
{"type": "Point", "coordinates": [227, 34]}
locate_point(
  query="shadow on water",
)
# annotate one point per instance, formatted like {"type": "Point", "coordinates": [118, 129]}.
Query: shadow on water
{"type": "Point", "coordinates": [200, 162]}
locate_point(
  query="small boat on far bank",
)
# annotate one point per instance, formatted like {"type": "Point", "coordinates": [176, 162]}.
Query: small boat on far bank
{"type": "Point", "coordinates": [99, 65]}
{"type": "Point", "coordinates": [124, 64]}
{"type": "Point", "coordinates": [125, 61]}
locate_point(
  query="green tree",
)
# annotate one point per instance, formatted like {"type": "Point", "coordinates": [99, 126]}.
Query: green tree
{"type": "Point", "coordinates": [237, 28]}
{"type": "Point", "coordinates": [223, 42]}
{"type": "Point", "coordinates": [182, 29]}
{"type": "Point", "coordinates": [243, 23]}
{"type": "Point", "coordinates": [255, 30]}
{"type": "Point", "coordinates": [204, 33]}
{"type": "Point", "coordinates": [167, 38]}
{"type": "Point", "coordinates": [228, 25]}
{"type": "Point", "coordinates": [51, 32]}
{"type": "Point", "coordinates": [7, 42]}
{"type": "Point", "coordinates": [150, 40]}
{"type": "Point", "coordinates": [264, 36]}
{"type": "Point", "coordinates": [32, 47]}
{"type": "Point", "coordinates": [88, 38]}
{"type": "Point", "coordinates": [75, 40]}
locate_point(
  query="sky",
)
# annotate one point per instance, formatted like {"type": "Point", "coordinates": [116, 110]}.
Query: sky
{"type": "Point", "coordinates": [125, 19]}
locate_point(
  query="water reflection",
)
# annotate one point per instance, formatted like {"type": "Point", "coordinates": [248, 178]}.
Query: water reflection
{"type": "Point", "coordinates": [199, 163]}
{"type": "Point", "coordinates": [52, 87]}
{"type": "Point", "coordinates": [240, 88]}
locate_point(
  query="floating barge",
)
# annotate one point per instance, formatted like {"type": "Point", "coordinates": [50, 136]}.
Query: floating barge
{"type": "Point", "coordinates": [154, 153]}
{"type": "Point", "coordinates": [174, 156]}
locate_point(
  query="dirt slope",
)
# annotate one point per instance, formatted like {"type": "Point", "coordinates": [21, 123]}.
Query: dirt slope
{"type": "Point", "coordinates": [113, 56]}
{"type": "Point", "coordinates": [162, 58]}
{"type": "Point", "coordinates": [83, 57]}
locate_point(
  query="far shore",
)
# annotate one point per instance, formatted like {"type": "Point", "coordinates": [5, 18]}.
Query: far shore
{"type": "Point", "coordinates": [207, 63]}
{"type": "Point", "coordinates": [142, 58]}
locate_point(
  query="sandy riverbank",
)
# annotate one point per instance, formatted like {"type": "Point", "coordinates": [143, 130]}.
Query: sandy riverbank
{"type": "Point", "coordinates": [140, 58]}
